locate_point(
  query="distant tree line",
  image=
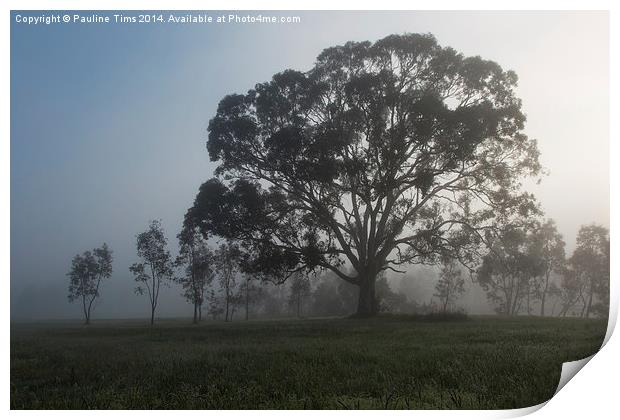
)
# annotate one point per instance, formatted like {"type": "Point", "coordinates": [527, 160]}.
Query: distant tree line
{"type": "Point", "coordinates": [527, 267]}
{"type": "Point", "coordinates": [524, 269]}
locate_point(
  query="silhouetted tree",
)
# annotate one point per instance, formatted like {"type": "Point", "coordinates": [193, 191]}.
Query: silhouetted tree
{"type": "Point", "coordinates": [590, 265]}
{"type": "Point", "coordinates": [547, 243]}
{"type": "Point", "coordinates": [451, 284]}
{"type": "Point", "coordinates": [227, 259]}
{"type": "Point", "coordinates": [155, 266]}
{"type": "Point", "coordinates": [571, 290]}
{"type": "Point", "coordinates": [555, 293]}
{"type": "Point", "coordinates": [508, 269]}
{"type": "Point", "coordinates": [601, 307]}
{"type": "Point", "coordinates": [300, 290]}
{"type": "Point", "coordinates": [197, 260]}
{"type": "Point", "coordinates": [87, 271]}
{"type": "Point", "coordinates": [375, 156]}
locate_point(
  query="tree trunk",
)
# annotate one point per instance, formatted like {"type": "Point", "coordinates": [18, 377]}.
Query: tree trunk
{"type": "Point", "coordinates": [200, 312]}
{"type": "Point", "coordinates": [86, 314]}
{"type": "Point", "coordinates": [154, 295]}
{"type": "Point", "coordinates": [195, 313]}
{"type": "Point", "coordinates": [367, 303]}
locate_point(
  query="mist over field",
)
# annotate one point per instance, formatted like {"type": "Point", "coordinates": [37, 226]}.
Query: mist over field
{"type": "Point", "coordinates": [108, 131]}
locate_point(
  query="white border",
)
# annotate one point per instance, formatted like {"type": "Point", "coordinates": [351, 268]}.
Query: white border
{"type": "Point", "coordinates": [591, 395]}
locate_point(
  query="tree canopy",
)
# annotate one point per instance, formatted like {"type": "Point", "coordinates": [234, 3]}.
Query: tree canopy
{"type": "Point", "coordinates": [590, 266]}
{"type": "Point", "coordinates": [509, 268]}
{"type": "Point", "coordinates": [386, 153]}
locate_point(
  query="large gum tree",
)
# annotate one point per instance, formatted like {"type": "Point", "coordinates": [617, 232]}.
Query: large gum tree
{"type": "Point", "coordinates": [383, 154]}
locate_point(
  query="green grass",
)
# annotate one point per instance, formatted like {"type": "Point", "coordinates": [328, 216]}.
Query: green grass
{"type": "Point", "coordinates": [393, 362]}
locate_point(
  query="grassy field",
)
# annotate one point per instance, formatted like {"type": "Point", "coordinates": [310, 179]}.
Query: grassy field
{"type": "Point", "coordinates": [394, 363]}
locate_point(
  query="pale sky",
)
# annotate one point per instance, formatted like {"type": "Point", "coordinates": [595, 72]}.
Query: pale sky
{"type": "Point", "coordinates": [108, 125]}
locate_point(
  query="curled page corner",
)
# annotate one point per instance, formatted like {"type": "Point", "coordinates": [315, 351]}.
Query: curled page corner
{"type": "Point", "coordinates": [521, 412]}
{"type": "Point", "coordinates": [611, 323]}
{"type": "Point", "coordinates": [570, 369]}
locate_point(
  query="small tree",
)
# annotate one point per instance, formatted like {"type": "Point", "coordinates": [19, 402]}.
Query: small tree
{"type": "Point", "coordinates": [196, 258]}
{"type": "Point", "coordinates": [300, 290]}
{"type": "Point", "coordinates": [590, 263]}
{"type": "Point", "coordinates": [547, 243]}
{"type": "Point", "coordinates": [571, 290]}
{"type": "Point", "coordinates": [87, 271]}
{"type": "Point", "coordinates": [227, 267]}
{"type": "Point", "coordinates": [508, 269]}
{"type": "Point", "coordinates": [155, 267]}
{"type": "Point", "coordinates": [451, 285]}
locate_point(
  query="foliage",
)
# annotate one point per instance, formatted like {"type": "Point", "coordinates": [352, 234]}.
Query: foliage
{"type": "Point", "coordinates": [155, 267]}
{"type": "Point", "coordinates": [508, 268]}
{"type": "Point", "coordinates": [383, 154]}
{"type": "Point", "coordinates": [85, 275]}
{"type": "Point", "coordinates": [589, 270]}
{"type": "Point", "coordinates": [571, 291]}
{"type": "Point", "coordinates": [227, 265]}
{"type": "Point", "coordinates": [197, 259]}
{"type": "Point", "coordinates": [548, 245]}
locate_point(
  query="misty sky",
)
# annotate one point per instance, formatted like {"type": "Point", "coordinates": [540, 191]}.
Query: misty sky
{"type": "Point", "coordinates": [108, 126]}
